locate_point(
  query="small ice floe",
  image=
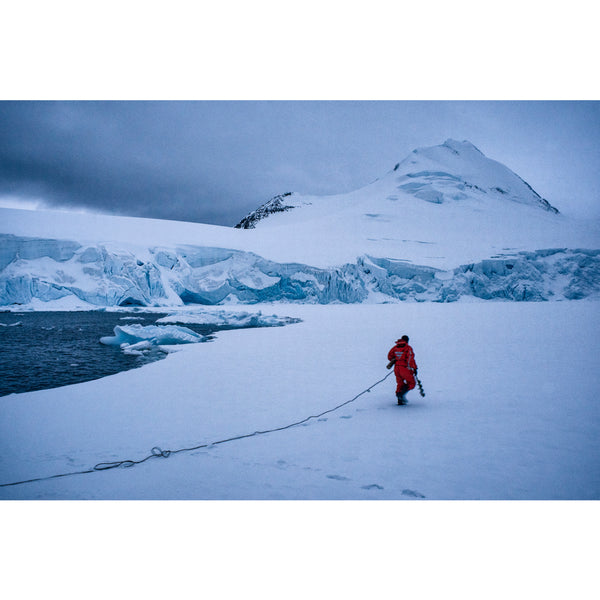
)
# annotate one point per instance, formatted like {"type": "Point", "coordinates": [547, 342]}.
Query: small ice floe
{"type": "Point", "coordinates": [231, 319]}
{"type": "Point", "coordinates": [137, 339]}
{"type": "Point", "coordinates": [137, 349]}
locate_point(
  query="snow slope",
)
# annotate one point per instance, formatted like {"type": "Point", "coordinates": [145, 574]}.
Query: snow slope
{"type": "Point", "coordinates": [442, 207]}
{"type": "Point", "coordinates": [445, 223]}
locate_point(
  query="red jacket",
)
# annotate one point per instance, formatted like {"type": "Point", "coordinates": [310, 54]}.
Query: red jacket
{"type": "Point", "coordinates": [404, 355]}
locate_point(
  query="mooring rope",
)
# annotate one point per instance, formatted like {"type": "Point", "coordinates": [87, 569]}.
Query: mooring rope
{"type": "Point", "coordinates": [157, 452]}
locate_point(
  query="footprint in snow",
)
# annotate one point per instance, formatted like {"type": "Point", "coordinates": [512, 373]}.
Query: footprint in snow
{"type": "Point", "coordinates": [346, 417]}
{"type": "Point", "coordinates": [373, 486]}
{"type": "Point", "coordinates": [322, 419]}
{"type": "Point", "coordinates": [412, 494]}
{"type": "Point", "coordinates": [338, 477]}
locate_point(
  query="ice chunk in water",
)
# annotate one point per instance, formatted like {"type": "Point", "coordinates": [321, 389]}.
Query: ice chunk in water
{"type": "Point", "coordinates": [137, 349]}
{"type": "Point", "coordinates": [154, 334]}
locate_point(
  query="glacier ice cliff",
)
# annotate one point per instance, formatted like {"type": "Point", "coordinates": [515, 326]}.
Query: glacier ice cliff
{"type": "Point", "coordinates": [559, 274]}
{"type": "Point", "coordinates": [48, 269]}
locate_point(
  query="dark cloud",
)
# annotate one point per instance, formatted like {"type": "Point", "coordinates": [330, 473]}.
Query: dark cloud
{"type": "Point", "coordinates": [213, 162]}
{"type": "Point", "coordinates": [147, 159]}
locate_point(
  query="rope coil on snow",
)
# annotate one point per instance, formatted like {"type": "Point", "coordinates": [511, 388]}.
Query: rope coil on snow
{"type": "Point", "coordinates": [158, 452]}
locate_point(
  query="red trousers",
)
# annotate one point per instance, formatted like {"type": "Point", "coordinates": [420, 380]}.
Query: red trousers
{"type": "Point", "coordinates": [404, 376]}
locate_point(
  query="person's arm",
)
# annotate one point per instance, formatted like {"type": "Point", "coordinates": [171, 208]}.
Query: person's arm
{"type": "Point", "coordinates": [413, 363]}
{"type": "Point", "coordinates": [391, 358]}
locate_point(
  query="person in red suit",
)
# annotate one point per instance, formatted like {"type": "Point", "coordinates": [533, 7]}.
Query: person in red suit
{"type": "Point", "coordinates": [402, 357]}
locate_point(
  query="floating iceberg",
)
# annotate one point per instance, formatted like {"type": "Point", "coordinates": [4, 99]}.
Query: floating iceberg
{"type": "Point", "coordinates": [138, 337]}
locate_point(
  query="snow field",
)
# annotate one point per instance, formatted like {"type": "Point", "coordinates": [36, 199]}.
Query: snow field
{"type": "Point", "coordinates": [511, 412]}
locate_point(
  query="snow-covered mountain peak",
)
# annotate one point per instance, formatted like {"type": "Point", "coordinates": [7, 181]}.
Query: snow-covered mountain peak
{"type": "Point", "coordinates": [464, 149]}
{"type": "Point", "coordinates": [441, 206]}
{"type": "Point", "coordinates": [457, 157]}
{"type": "Point", "coordinates": [456, 170]}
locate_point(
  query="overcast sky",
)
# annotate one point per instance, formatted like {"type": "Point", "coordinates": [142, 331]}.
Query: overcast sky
{"type": "Point", "coordinates": [213, 161]}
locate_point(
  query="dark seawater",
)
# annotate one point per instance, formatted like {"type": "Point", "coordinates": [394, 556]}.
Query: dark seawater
{"type": "Point", "coordinates": [42, 350]}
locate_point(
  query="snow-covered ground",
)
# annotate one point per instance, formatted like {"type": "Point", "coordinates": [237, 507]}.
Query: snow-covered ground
{"type": "Point", "coordinates": [511, 412]}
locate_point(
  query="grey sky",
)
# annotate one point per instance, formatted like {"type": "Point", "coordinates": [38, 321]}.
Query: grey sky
{"type": "Point", "coordinates": [213, 162]}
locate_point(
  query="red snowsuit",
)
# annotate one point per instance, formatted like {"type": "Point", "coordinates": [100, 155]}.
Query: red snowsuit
{"type": "Point", "coordinates": [404, 366]}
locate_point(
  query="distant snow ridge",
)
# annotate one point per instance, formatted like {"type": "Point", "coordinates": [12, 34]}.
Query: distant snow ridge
{"type": "Point", "coordinates": [55, 269]}
{"type": "Point", "coordinates": [276, 204]}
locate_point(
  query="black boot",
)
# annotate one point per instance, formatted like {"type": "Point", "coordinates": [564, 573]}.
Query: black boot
{"type": "Point", "coordinates": [400, 395]}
